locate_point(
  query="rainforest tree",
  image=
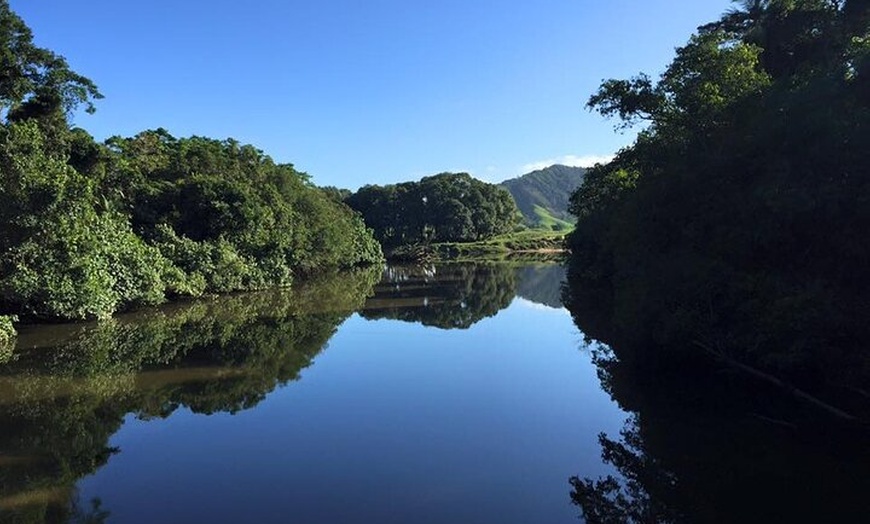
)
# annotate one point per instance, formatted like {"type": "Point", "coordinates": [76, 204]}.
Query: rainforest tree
{"type": "Point", "coordinates": [88, 228]}
{"type": "Point", "coordinates": [733, 227]}
{"type": "Point", "coordinates": [732, 233]}
{"type": "Point", "coordinates": [449, 207]}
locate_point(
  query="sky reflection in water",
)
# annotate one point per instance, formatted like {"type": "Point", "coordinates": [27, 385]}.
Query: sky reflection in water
{"type": "Point", "coordinates": [395, 421]}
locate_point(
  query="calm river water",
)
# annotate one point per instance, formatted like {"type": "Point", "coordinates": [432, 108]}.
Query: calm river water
{"type": "Point", "coordinates": [443, 394]}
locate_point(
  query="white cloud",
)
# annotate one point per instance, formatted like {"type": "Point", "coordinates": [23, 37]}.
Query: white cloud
{"type": "Point", "coordinates": [567, 160]}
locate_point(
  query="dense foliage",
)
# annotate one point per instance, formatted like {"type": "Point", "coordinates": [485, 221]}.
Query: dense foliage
{"type": "Point", "coordinates": [542, 196]}
{"type": "Point", "coordinates": [227, 213]}
{"type": "Point", "coordinates": [732, 228]}
{"type": "Point", "coordinates": [7, 337]}
{"type": "Point", "coordinates": [449, 207]}
{"type": "Point", "coordinates": [87, 229]}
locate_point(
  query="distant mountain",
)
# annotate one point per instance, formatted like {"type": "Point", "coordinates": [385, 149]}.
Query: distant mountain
{"type": "Point", "coordinates": [542, 195]}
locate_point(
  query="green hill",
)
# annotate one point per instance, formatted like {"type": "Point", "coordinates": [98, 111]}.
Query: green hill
{"type": "Point", "coordinates": [542, 196]}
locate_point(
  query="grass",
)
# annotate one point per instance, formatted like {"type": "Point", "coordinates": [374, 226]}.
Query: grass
{"type": "Point", "coordinates": [529, 244]}
{"type": "Point", "coordinates": [548, 221]}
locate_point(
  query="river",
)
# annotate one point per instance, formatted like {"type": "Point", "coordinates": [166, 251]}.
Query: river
{"type": "Point", "coordinates": [455, 393]}
{"type": "Point", "coordinates": [439, 394]}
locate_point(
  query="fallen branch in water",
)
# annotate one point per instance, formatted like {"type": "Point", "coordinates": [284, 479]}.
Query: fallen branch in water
{"type": "Point", "coordinates": [774, 421]}
{"type": "Point", "coordinates": [776, 381]}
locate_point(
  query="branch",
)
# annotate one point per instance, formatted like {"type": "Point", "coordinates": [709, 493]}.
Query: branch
{"type": "Point", "coordinates": [771, 379]}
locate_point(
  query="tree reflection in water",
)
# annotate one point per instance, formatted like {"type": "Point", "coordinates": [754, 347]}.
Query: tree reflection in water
{"type": "Point", "coordinates": [705, 450]}
{"type": "Point", "coordinates": [66, 390]}
{"type": "Point", "coordinates": [456, 296]}
{"type": "Point", "coordinates": [453, 296]}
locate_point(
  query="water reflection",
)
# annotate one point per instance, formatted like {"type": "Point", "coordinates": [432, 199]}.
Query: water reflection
{"type": "Point", "coordinates": [541, 284]}
{"type": "Point", "coordinates": [708, 446]}
{"type": "Point", "coordinates": [67, 389]}
{"type": "Point", "coordinates": [456, 296]}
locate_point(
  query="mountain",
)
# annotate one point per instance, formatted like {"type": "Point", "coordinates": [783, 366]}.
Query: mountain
{"type": "Point", "coordinates": [542, 196]}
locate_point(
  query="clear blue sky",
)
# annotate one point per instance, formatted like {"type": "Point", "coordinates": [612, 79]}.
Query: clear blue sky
{"type": "Point", "coordinates": [375, 91]}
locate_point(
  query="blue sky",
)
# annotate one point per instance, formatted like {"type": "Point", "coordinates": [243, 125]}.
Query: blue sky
{"type": "Point", "coordinates": [379, 91]}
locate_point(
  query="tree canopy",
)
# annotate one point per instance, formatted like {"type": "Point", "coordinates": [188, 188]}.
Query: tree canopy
{"type": "Point", "coordinates": [34, 81]}
{"type": "Point", "coordinates": [448, 207]}
{"type": "Point", "coordinates": [733, 226]}
{"type": "Point", "coordinates": [87, 229]}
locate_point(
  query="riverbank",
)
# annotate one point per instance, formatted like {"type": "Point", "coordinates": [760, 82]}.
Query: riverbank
{"type": "Point", "coordinates": [531, 244]}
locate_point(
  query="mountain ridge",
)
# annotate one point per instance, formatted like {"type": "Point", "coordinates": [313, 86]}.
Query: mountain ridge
{"type": "Point", "coordinates": [542, 196]}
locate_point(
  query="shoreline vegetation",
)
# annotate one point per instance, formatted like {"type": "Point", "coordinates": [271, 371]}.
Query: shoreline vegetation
{"type": "Point", "coordinates": [452, 217]}
{"type": "Point", "coordinates": [527, 245]}
{"type": "Point", "coordinates": [730, 234]}
{"type": "Point", "coordinates": [89, 229]}
{"type": "Point", "coordinates": [720, 261]}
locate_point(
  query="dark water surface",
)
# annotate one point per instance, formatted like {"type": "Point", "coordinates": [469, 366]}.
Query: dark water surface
{"type": "Point", "coordinates": [441, 394]}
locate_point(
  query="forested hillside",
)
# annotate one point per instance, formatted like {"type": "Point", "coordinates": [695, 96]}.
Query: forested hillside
{"type": "Point", "coordinates": [89, 228]}
{"type": "Point", "coordinates": [542, 196]}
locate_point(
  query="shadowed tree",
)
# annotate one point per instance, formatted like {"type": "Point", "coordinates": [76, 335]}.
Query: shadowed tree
{"type": "Point", "coordinates": [732, 230]}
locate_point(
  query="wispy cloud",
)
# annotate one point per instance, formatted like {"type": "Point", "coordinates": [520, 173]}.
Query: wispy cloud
{"type": "Point", "coordinates": [567, 160]}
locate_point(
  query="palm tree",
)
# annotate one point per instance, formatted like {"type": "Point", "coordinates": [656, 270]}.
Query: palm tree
{"type": "Point", "coordinates": [745, 22]}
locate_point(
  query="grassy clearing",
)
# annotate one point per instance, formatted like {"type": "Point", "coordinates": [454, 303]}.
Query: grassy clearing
{"type": "Point", "coordinates": [526, 245]}
{"type": "Point", "coordinates": [548, 221]}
